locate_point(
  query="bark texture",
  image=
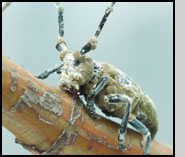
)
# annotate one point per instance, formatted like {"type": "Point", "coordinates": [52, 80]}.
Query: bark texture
{"type": "Point", "coordinates": [46, 120]}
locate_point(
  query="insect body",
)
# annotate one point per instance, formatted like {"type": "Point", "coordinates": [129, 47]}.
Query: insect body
{"type": "Point", "coordinates": [102, 84]}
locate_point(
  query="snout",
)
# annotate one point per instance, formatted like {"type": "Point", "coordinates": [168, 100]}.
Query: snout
{"type": "Point", "coordinates": [70, 75]}
{"type": "Point", "coordinates": [69, 82]}
{"type": "Point", "coordinates": [71, 90]}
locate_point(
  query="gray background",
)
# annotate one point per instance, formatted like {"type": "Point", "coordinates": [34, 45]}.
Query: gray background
{"type": "Point", "coordinates": [137, 38]}
{"type": "Point", "coordinates": [179, 77]}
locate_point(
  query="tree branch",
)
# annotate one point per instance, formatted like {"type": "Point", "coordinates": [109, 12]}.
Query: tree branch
{"type": "Point", "coordinates": [46, 120]}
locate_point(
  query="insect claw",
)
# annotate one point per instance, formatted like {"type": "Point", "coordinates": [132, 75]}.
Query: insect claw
{"type": "Point", "coordinates": [122, 147]}
{"type": "Point", "coordinates": [95, 116]}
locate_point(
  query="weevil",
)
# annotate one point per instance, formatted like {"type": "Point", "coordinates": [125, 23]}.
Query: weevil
{"type": "Point", "coordinates": [105, 86]}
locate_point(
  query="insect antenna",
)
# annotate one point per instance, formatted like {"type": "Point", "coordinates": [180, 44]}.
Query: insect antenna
{"type": "Point", "coordinates": [91, 44]}
{"type": "Point", "coordinates": [61, 44]}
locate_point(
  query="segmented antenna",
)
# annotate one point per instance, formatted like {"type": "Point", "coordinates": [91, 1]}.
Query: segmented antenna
{"type": "Point", "coordinates": [60, 19]}
{"type": "Point", "coordinates": [91, 45]}
{"type": "Point", "coordinates": [104, 19]}
{"type": "Point", "coordinates": [61, 44]}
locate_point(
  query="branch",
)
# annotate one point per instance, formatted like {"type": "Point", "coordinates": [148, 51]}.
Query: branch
{"type": "Point", "coordinates": [46, 120]}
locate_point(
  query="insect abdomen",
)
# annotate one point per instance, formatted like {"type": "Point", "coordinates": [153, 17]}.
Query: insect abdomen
{"type": "Point", "coordinates": [148, 114]}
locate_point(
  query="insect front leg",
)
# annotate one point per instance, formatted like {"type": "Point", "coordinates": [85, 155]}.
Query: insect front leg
{"type": "Point", "coordinates": [49, 71]}
{"type": "Point", "coordinates": [144, 131]}
{"type": "Point", "coordinates": [114, 101]}
{"type": "Point", "coordinates": [90, 103]}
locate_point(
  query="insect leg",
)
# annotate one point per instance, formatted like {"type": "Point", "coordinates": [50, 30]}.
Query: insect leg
{"type": "Point", "coordinates": [115, 100]}
{"type": "Point", "coordinates": [144, 131]}
{"type": "Point", "coordinates": [99, 86]}
{"type": "Point", "coordinates": [123, 127]}
{"type": "Point", "coordinates": [90, 107]}
{"type": "Point", "coordinates": [49, 71]}
{"type": "Point", "coordinates": [90, 103]}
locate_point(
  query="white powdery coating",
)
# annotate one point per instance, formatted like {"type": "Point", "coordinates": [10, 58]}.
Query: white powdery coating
{"type": "Point", "coordinates": [98, 66]}
{"type": "Point", "coordinates": [68, 58]}
{"type": "Point", "coordinates": [69, 72]}
{"type": "Point", "coordinates": [124, 79]}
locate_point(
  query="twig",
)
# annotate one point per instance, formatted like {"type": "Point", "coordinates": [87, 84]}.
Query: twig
{"type": "Point", "coordinates": [46, 120]}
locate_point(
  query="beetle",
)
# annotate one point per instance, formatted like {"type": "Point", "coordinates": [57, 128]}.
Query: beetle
{"type": "Point", "coordinates": [113, 91]}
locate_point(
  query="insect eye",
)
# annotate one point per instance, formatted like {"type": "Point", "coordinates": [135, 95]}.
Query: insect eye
{"type": "Point", "coordinates": [77, 62]}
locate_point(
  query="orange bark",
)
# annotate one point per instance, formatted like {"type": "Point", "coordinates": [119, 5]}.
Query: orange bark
{"type": "Point", "coordinates": [69, 130]}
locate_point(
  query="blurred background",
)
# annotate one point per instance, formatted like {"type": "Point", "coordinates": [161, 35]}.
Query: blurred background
{"type": "Point", "coordinates": [137, 38]}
